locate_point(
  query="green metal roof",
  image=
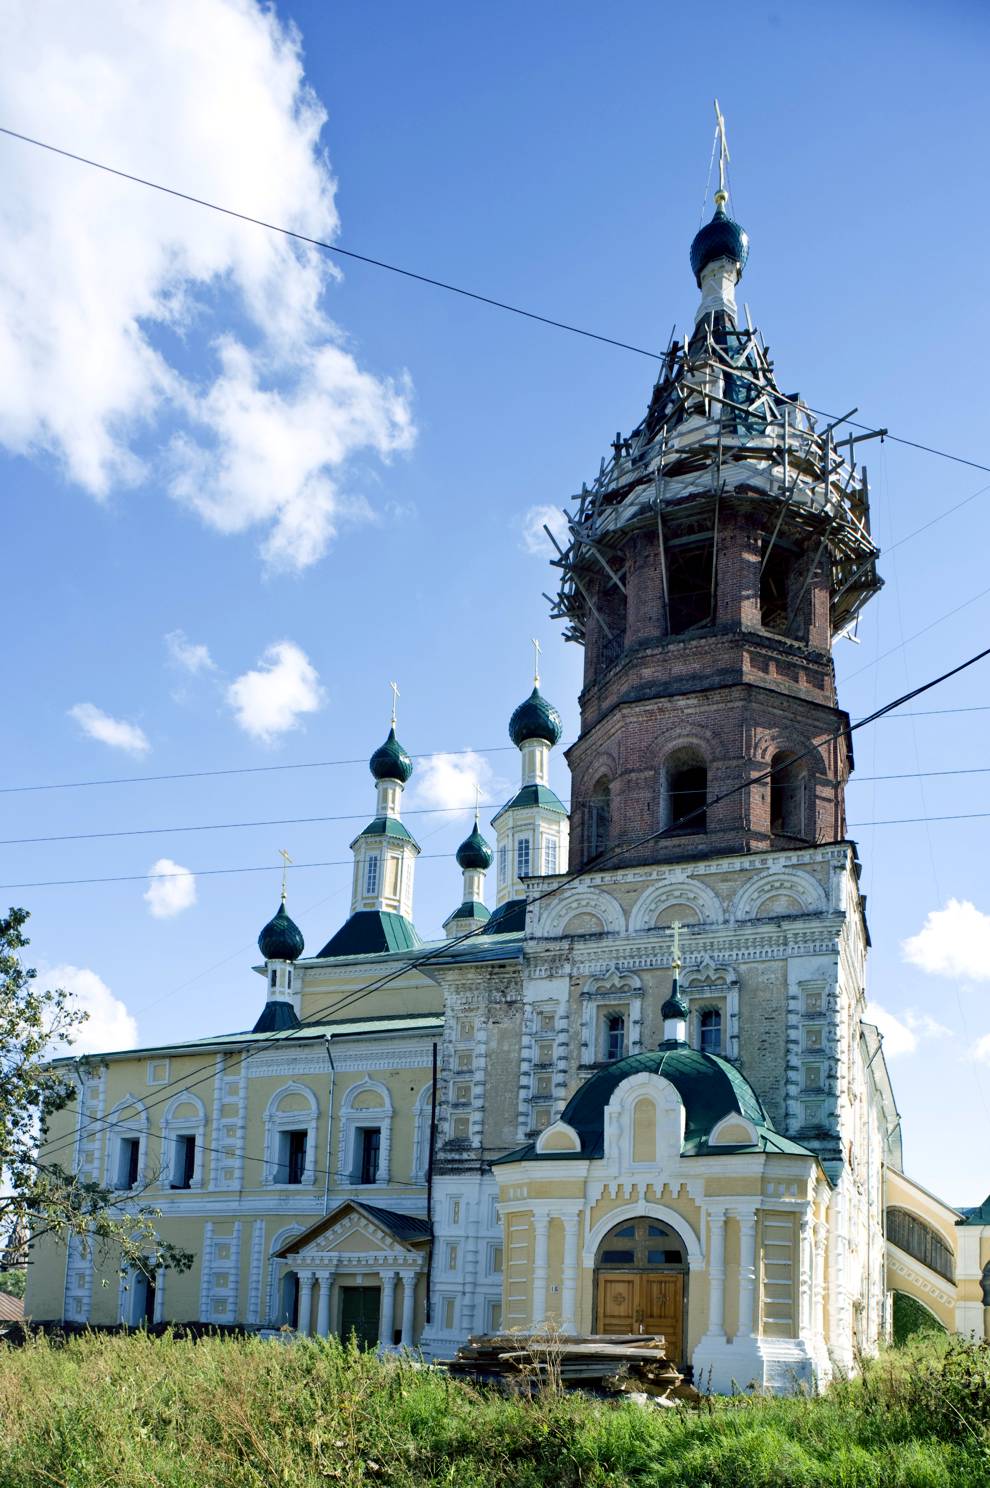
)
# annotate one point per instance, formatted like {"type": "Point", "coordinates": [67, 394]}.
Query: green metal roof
{"type": "Point", "coordinates": [471, 909]}
{"type": "Point", "coordinates": [507, 918]}
{"type": "Point", "coordinates": [978, 1216]}
{"type": "Point", "coordinates": [387, 826]}
{"type": "Point", "coordinates": [709, 1087]}
{"type": "Point", "coordinates": [369, 931]}
{"type": "Point", "coordinates": [275, 1016]}
{"type": "Point", "coordinates": [534, 795]}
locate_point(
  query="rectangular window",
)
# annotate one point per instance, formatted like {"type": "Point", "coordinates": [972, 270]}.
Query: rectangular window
{"type": "Point", "coordinates": [494, 1260]}
{"type": "Point", "coordinates": [453, 1251]}
{"type": "Point", "coordinates": [544, 1085]}
{"type": "Point", "coordinates": [184, 1162]}
{"type": "Point", "coordinates": [541, 1117]}
{"type": "Point", "coordinates": [549, 855]}
{"type": "Point", "coordinates": [455, 1211]}
{"type": "Point", "coordinates": [392, 878]}
{"type": "Point", "coordinates": [449, 1313]}
{"type": "Point", "coordinates": [465, 1029]}
{"type": "Point", "coordinates": [813, 1002]}
{"type": "Point", "coordinates": [494, 1316]}
{"type": "Point", "coordinates": [503, 864]}
{"type": "Point", "coordinates": [812, 1038]}
{"type": "Point", "coordinates": [811, 1113]}
{"type": "Point", "coordinates": [291, 1157]}
{"type": "Point", "coordinates": [544, 1052]}
{"type": "Point", "coordinates": [464, 1062]}
{"type": "Point", "coordinates": [369, 1152]}
{"type": "Point", "coordinates": [128, 1158]}
{"type": "Point", "coordinates": [462, 1093]}
{"type": "Point", "coordinates": [710, 1031]}
{"type": "Point", "coordinates": [812, 1077]}
{"type": "Point", "coordinates": [613, 1036]}
{"type": "Point", "coordinates": [522, 857]}
{"type": "Point", "coordinates": [371, 875]}
{"type": "Point", "coordinates": [547, 1023]}
{"type": "Point", "coordinates": [461, 1128]}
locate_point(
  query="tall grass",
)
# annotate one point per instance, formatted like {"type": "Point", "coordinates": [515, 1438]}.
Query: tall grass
{"type": "Point", "coordinates": [140, 1412]}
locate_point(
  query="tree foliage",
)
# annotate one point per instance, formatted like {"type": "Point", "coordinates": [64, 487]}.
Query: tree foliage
{"type": "Point", "coordinates": [39, 1194]}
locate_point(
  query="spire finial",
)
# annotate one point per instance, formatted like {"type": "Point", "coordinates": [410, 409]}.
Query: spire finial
{"type": "Point", "coordinates": [676, 958]}
{"type": "Point", "coordinates": [477, 804]}
{"type": "Point", "coordinates": [722, 195]}
{"type": "Point", "coordinates": [537, 648]}
{"type": "Point", "coordinates": [395, 700]}
{"type": "Point", "coordinates": [286, 860]}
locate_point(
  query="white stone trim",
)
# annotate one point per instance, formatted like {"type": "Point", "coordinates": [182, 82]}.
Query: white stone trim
{"type": "Point", "coordinates": [276, 1121]}
{"type": "Point", "coordinates": [351, 1118]}
{"type": "Point", "coordinates": [639, 1210]}
{"type": "Point", "coordinates": [566, 905]}
{"type": "Point", "coordinates": [793, 881]}
{"type": "Point", "coordinates": [183, 1126]}
{"type": "Point", "coordinates": [675, 890]}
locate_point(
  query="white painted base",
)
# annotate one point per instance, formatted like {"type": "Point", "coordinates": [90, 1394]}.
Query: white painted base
{"type": "Point", "coordinates": [729, 1366]}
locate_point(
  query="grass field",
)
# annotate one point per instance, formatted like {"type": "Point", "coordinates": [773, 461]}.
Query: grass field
{"type": "Point", "coordinates": [136, 1411]}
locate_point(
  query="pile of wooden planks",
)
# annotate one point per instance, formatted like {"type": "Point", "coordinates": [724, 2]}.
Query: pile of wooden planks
{"type": "Point", "coordinates": [599, 1361]}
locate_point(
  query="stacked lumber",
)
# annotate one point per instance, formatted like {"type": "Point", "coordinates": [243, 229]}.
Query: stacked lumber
{"type": "Point", "coordinates": [634, 1363]}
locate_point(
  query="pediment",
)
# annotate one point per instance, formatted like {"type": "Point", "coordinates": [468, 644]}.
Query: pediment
{"type": "Point", "coordinates": [350, 1230]}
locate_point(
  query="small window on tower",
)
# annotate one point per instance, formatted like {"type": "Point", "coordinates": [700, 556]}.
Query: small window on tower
{"type": "Point", "coordinates": [549, 855]}
{"type": "Point", "coordinates": [710, 1031]}
{"type": "Point", "coordinates": [597, 820]}
{"type": "Point", "coordinates": [371, 875]}
{"type": "Point", "coordinates": [690, 585]}
{"type": "Point", "coordinates": [787, 797]}
{"type": "Point", "coordinates": [775, 583]}
{"type": "Point", "coordinates": [522, 857]}
{"type": "Point", "coordinates": [503, 864]}
{"type": "Point", "coordinates": [686, 793]}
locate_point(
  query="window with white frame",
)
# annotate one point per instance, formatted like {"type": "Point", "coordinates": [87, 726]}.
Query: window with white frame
{"type": "Point", "coordinates": [549, 855]}
{"type": "Point", "coordinates": [183, 1165]}
{"type": "Point", "coordinates": [290, 1135]}
{"type": "Point", "coordinates": [128, 1162]}
{"type": "Point", "coordinates": [449, 1313]}
{"type": "Point", "coordinates": [366, 1132]}
{"type": "Point", "coordinates": [127, 1131]}
{"type": "Point", "coordinates": [613, 1035]}
{"type": "Point", "coordinates": [522, 857]}
{"type": "Point", "coordinates": [371, 875]}
{"type": "Point", "coordinates": [503, 863]}
{"type": "Point", "coordinates": [710, 1031]}
{"type": "Point", "coordinates": [494, 1310]}
{"type": "Point", "coordinates": [495, 1258]}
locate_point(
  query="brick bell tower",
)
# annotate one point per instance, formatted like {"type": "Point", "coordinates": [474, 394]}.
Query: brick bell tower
{"type": "Point", "coordinates": [715, 558]}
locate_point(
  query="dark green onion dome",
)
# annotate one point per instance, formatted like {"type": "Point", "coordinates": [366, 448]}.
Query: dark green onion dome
{"type": "Point", "coordinates": [535, 719]}
{"type": "Point", "coordinates": [391, 762]}
{"type": "Point", "coordinates": [675, 1006]}
{"type": "Point", "coordinates": [281, 939]}
{"type": "Point", "coordinates": [474, 851]}
{"type": "Point", "coordinates": [720, 238]}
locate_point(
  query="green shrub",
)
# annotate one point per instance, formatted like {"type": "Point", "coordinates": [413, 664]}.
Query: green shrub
{"type": "Point", "coordinates": [911, 1316]}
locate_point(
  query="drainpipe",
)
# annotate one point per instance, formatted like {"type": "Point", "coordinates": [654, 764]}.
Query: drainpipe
{"type": "Point", "coordinates": [429, 1186]}
{"type": "Point", "coordinates": [333, 1073]}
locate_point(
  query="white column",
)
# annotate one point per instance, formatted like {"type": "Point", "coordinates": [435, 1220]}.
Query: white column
{"type": "Point", "coordinates": [747, 1273]}
{"type": "Point", "coordinates": [716, 1274]}
{"type": "Point", "coordinates": [818, 1301]}
{"type": "Point", "coordinates": [541, 1230]}
{"type": "Point", "coordinates": [323, 1306]}
{"type": "Point", "coordinates": [408, 1307]}
{"type": "Point", "coordinates": [568, 1300]}
{"type": "Point", "coordinates": [386, 1326]}
{"type": "Point", "coordinates": [806, 1263]}
{"type": "Point", "coordinates": [306, 1280]}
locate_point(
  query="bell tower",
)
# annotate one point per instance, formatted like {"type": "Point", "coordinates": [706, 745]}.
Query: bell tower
{"type": "Point", "coordinates": [722, 547]}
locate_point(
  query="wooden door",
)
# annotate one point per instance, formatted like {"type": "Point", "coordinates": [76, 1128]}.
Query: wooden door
{"type": "Point", "coordinates": [617, 1302]}
{"type": "Point", "coordinates": [360, 1310]}
{"type": "Point", "coordinates": [661, 1307]}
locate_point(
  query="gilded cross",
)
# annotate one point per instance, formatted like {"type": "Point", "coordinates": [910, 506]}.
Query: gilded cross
{"type": "Point", "coordinates": [286, 860]}
{"type": "Point", "coordinates": [723, 154]}
{"type": "Point", "coordinates": [676, 959]}
{"type": "Point", "coordinates": [537, 648]}
{"type": "Point", "coordinates": [395, 700]}
{"type": "Point", "coordinates": [477, 802]}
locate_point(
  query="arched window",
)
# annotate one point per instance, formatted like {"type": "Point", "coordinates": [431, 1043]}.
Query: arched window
{"type": "Point", "coordinates": [290, 1135]}
{"type": "Point", "coordinates": [640, 1243]}
{"type": "Point", "coordinates": [365, 1134]}
{"type": "Point", "coordinates": [597, 820]}
{"type": "Point", "coordinates": [685, 792]}
{"type": "Point", "coordinates": [710, 1031]}
{"type": "Point", "coordinates": [787, 796]}
{"type": "Point", "coordinates": [613, 1036]}
{"type": "Point", "coordinates": [919, 1239]}
{"type": "Point", "coordinates": [690, 585]}
{"type": "Point", "coordinates": [775, 585]}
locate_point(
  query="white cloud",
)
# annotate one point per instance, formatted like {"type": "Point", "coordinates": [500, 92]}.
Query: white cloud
{"type": "Point", "coordinates": [902, 1035]}
{"type": "Point", "coordinates": [270, 701]}
{"type": "Point", "coordinates": [981, 1049]}
{"type": "Point", "coordinates": [898, 1038]}
{"type": "Point", "coordinates": [171, 889]}
{"type": "Point", "coordinates": [953, 942]}
{"type": "Point", "coordinates": [189, 656]}
{"type": "Point", "coordinates": [109, 1025]}
{"type": "Point", "coordinates": [448, 781]}
{"type": "Point", "coordinates": [113, 731]}
{"type": "Point", "coordinates": [534, 539]}
{"type": "Point", "coordinates": [93, 269]}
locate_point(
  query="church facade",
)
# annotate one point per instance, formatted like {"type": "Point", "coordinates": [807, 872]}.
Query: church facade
{"type": "Point", "coordinates": [640, 1094]}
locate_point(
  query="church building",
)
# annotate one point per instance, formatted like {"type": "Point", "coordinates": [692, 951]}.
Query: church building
{"type": "Point", "coordinates": [633, 1088]}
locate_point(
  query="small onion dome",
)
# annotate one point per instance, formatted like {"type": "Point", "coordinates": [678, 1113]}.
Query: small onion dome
{"type": "Point", "coordinates": [675, 1006]}
{"type": "Point", "coordinates": [474, 851]}
{"type": "Point", "coordinates": [281, 939]}
{"type": "Point", "coordinates": [391, 762]}
{"type": "Point", "coordinates": [535, 719]}
{"type": "Point", "coordinates": [720, 238]}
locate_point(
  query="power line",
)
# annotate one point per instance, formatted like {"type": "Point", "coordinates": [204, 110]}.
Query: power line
{"type": "Point", "coordinates": [469, 294]}
{"type": "Point", "coordinates": [7, 790]}
{"type": "Point", "coordinates": [595, 866]}
{"type": "Point", "coordinates": [904, 821]}
{"type": "Point", "coordinates": [60, 883]}
{"type": "Point", "coordinates": [285, 821]}
{"type": "Point", "coordinates": [918, 775]}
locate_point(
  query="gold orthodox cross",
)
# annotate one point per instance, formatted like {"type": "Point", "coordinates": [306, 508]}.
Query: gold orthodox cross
{"type": "Point", "coordinates": [537, 648]}
{"type": "Point", "coordinates": [395, 700]}
{"type": "Point", "coordinates": [676, 958]}
{"type": "Point", "coordinates": [286, 860]}
{"type": "Point", "coordinates": [723, 155]}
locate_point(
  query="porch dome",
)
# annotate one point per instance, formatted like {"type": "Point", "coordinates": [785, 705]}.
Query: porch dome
{"type": "Point", "coordinates": [535, 719]}
{"type": "Point", "coordinates": [719, 238]}
{"type": "Point", "coordinates": [281, 939]}
{"type": "Point", "coordinates": [709, 1087]}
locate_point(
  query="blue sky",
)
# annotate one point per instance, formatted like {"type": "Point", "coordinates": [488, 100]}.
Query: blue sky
{"type": "Point", "coordinates": [205, 436]}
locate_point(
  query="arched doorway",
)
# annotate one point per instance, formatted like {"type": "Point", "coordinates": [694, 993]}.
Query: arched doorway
{"type": "Point", "coordinates": [640, 1271]}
